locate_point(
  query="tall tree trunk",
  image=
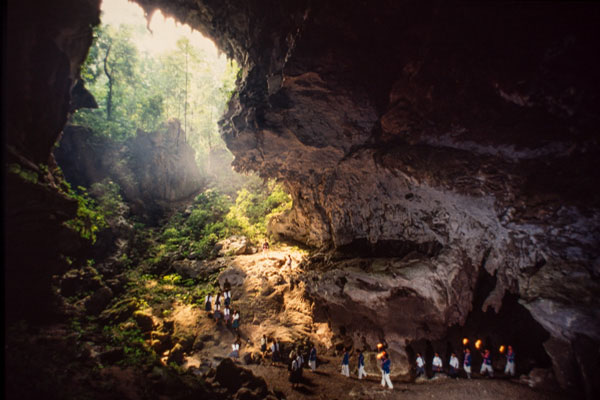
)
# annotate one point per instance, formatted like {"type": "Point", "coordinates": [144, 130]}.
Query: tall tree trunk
{"type": "Point", "coordinates": [110, 86]}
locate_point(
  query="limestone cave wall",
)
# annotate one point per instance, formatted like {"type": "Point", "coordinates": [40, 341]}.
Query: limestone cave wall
{"type": "Point", "coordinates": [437, 140]}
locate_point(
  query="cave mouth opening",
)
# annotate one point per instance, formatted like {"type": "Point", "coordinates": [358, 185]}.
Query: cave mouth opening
{"type": "Point", "coordinates": [147, 71]}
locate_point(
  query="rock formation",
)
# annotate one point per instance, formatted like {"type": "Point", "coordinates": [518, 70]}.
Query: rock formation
{"type": "Point", "coordinates": [156, 171]}
{"type": "Point", "coordinates": [437, 142]}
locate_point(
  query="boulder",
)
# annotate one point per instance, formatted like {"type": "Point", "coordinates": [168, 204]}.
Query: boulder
{"type": "Point", "coordinates": [176, 354]}
{"type": "Point", "coordinates": [144, 320]}
{"type": "Point", "coordinates": [234, 245]}
{"type": "Point", "coordinates": [195, 268]}
{"type": "Point", "coordinates": [98, 300]}
{"type": "Point", "coordinates": [79, 280]}
{"type": "Point", "coordinates": [119, 312]}
{"type": "Point", "coordinates": [235, 276]}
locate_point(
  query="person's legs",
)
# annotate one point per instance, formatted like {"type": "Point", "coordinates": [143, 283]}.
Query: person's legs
{"type": "Point", "coordinates": [388, 381]}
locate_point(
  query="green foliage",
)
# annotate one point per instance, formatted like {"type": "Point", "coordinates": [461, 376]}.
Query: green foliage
{"type": "Point", "coordinates": [108, 197]}
{"type": "Point", "coordinates": [254, 207]}
{"type": "Point", "coordinates": [89, 218]}
{"type": "Point", "coordinates": [137, 91]}
{"type": "Point", "coordinates": [25, 174]}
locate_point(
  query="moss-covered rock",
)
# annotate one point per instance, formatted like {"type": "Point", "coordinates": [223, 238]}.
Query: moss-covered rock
{"type": "Point", "coordinates": [144, 320]}
{"type": "Point", "coordinates": [122, 310]}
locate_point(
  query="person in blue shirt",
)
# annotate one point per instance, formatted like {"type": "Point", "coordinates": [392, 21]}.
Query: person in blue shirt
{"type": "Point", "coordinates": [361, 365]}
{"type": "Point", "coordinates": [486, 364]}
{"type": "Point", "coordinates": [386, 364]}
{"type": "Point", "coordinates": [346, 363]}
{"type": "Point", "coordinates": [467, 363]}
{"type": "Point", "coordinates": [312, 359]}
{"type": "Point", "coordinates": [510, 362]}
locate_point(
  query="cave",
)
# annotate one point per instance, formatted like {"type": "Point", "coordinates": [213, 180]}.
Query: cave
{"type": "Point", "coordinates": [442, 160]}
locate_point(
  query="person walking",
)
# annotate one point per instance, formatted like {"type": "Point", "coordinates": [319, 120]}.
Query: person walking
{"type": "Point", "coordinates": [346, 364]}
{"type": "Point", "coordinates": [436, 363]}
{"type": "Point", "coordinates": [486, 364]}
{"type": "Point", "coordinates": [235, 324]}
{"type": "Point", "coordinates": [274, 352]}
{"type": "Point", "coordinates": [361, 365]}
{"type": "Point", "coordinates": [453, 372]}
{"type": "Point", "coordinates": [293, 377]}
{"type": "Point", "coordinates": [467, 363]}
{"type": "Point", "coordinates": [226, 315]}
{"type": "Point", "coordinates": [208, 302]}
{"type": "Point", "coordinates": [217, 313]}
{"type": "Point", "coordinates": [510, 362]}
{"type": "Point", "coordinates": [420, 365]}
{"type": "Point", "coordinates": [235, 349]}
{"type": "Point", "coordinates": [385, 371]}
{"type": "Point", "coordinates": [312, 359]}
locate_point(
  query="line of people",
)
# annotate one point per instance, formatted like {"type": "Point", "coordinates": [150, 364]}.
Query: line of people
{"type": "Point", "coordinates": [453, 364]}
{"type": "Point", "coordinates": [385, 366]}
{"type": "Point", "coordinates": [230, 317]}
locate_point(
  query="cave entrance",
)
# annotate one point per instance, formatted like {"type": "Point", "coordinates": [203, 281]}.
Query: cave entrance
{"type": "Point", "coordinates": [146, 70]}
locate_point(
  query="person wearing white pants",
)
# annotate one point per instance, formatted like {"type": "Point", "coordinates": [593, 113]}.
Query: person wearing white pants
{"type": "Point", "coordinates": [467, 363]}
{"type": "Point", "coordinates": [510, 362]}
{"type": "Point", "coordinates": [361, 365]}
{"type": "Point", "coordinates": [346, 364]}
{"type": "Point", "coordinates": [385, 371]}
{"type": "Point", "coordinates": [486, 364]}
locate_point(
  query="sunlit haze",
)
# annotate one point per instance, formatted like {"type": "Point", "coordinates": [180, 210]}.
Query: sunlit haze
{"type": "Point", "coordinates": [164, 31]}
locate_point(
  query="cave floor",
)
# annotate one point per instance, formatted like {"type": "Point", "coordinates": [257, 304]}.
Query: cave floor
{"type": "Point", "coordinates": [327, 383]}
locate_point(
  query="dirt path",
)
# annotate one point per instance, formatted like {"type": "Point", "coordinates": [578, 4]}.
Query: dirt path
{"type": "Point", "coordinates": [328, 384]}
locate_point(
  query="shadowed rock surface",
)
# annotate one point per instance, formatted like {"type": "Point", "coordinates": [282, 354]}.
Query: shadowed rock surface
{"type": "Point", "coordinates": [156, 171]}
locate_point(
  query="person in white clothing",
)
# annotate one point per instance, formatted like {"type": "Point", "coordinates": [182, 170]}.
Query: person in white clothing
{"type": "Point", "coordinates": [385, 371]}
{"type": "Point", "coordinates": [346, 364]}
{"type": "Point", "coordinates": [420, 365]}
{"type": "Point", "coordinates": [226, 315]}
{"type": "Point", "coordinates": [510, 362]}
{"type": "Point", "coordinates": [453, 372]}
{"type": "Point", "coordinates": [437, 363]}
{"type": "Point", "coordinates": [361, 365]}
{"type": "Point", "coordinates": [235, 350]}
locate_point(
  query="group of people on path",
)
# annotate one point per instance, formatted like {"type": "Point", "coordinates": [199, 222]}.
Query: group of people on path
{"type": "Point", "coordinates": [453, 364]}
{"type": "Point", "coordinates": [230, 317]}
{"type": "Point", "coordinates": [385, 366]}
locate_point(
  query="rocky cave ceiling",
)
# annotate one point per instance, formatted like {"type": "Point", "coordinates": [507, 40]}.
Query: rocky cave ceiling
{"type": "Point", "coordinates": [443, 139]}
